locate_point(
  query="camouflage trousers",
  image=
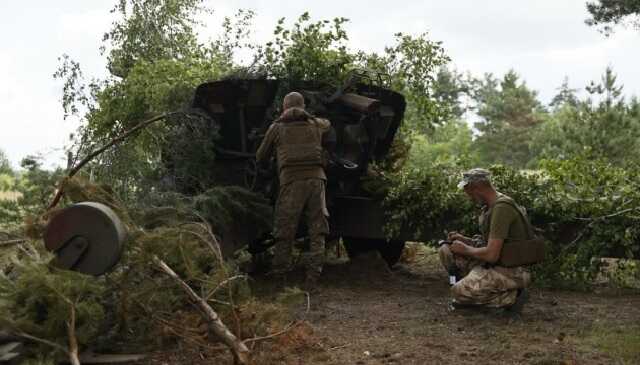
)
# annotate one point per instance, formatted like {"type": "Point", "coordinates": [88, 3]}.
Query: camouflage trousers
{"type": "Point", "coordinates": [301, 198]}
{"type": "Point", "coordinates": [487, 286]}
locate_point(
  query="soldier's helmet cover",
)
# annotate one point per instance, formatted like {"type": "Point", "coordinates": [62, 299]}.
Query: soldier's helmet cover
{"type": "Point", "coordinates": [473, 176]}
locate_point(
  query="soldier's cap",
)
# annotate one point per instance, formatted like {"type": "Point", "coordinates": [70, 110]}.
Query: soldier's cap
{"type": "Point", "coordinates": [473, 176]}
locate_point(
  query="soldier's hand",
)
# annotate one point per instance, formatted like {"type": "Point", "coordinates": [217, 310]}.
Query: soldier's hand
{"type": "Point", "coordinates": [458, 247]}
{"type": "Point", "coordinates": [452, 236]}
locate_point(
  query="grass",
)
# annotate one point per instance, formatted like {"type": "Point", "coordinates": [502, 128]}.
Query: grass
{"type": "Point", "coordinates": [622, 343]}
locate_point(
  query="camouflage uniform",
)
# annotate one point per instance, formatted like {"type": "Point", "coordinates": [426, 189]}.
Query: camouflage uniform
{"type": "Point", "coordinates": [482, 283]}
{"type": "Point", "coordinates": [296, 138]}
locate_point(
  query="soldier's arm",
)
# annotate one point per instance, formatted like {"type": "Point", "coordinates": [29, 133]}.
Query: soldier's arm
{"type": "Point", "coordinates": [501, 218]}
{"type": "Point", "coordinates": [323, 124]}
{"type": "Point", "coordinates": [268, 142]}
{"type": "Point", "coordinates": [453, 236]}
{"type": "Point", "coordinates": [490, 253]}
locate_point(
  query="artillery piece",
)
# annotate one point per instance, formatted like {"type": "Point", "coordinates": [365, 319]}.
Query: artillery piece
{"type": "Point", "coordinates": [365, 116]}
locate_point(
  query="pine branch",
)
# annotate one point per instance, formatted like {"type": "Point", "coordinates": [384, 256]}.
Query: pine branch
{"type": "Point", "coordinates": [223, 283]}
{"type": "Point", "coordinates": [604, 217]}
{"type": "Point", "coordinates": [12, 242]}
{"type": "Point", "coordinates": [42, 341]}
{"type": "Point", "coordinates": [287, 327]}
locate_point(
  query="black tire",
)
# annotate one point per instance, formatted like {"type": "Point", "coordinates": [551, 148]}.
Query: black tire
{"type": "Point", "coordinates": [356, 246]}
{"type": "Point", "coordinates": [389, 250]}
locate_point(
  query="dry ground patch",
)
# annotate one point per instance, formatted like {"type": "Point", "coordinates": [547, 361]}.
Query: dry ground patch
{"type": "Point", "coordinates": [364, 314]}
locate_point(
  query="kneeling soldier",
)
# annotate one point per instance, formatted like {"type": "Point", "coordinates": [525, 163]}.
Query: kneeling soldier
{"type": "Point", "coordinates": [489, 278]}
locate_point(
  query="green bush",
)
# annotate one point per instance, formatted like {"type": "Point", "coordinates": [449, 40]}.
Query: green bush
{"type": "Point", "coordinates": [37, 299]}
{"type": "Point", "coordinates": [585, 208]}
{"type": "Point", "coordinates": [6, 182]}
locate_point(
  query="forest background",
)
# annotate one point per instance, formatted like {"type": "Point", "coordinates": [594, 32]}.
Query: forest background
{"type": "Point", "coordinates": [573, 163]}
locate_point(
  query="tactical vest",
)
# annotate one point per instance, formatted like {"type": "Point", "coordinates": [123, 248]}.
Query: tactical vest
{"type": "Point", "coordinates": [515, 252]}
{"type": "Point", "coordinates": [300, 144]}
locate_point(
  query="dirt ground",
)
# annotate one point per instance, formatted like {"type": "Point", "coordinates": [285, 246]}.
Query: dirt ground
{"type": "Point", "coordinates": [365, 314]}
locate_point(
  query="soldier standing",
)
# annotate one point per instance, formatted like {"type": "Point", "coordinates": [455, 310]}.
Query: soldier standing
{"type": "Point", "coordinates": [485, 282]}
{"type": "Point", "coordinates": [296, 137]}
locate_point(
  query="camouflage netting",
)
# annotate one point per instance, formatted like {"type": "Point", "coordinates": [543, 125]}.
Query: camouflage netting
{"type": "Point", "coordinates": [136, 304]}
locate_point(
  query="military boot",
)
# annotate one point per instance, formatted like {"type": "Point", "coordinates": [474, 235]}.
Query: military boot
{"type": "Point", "coordinates": [515, 310]}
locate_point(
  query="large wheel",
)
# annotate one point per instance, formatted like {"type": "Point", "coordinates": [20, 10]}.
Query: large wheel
{"type": "Point", "coordinates": [389, 250]}
{"type": "Point", "coordinates": [86, 237]}
{"type": "Point", "coordinates": [356, 246]}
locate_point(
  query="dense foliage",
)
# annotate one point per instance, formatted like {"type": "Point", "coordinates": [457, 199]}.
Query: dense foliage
{"type": "Point", "coordinates": [25, 193]}
{"type": "Point", "coordinates": [136, 301]}
{"type": "Point", "coordinates": [514, 128]}
{"type": "Point", "coordinates": [608, 13]}
{"type": "Point", "coordinates": [585, 208]}
{"type": "Point", "coordinates": [509, 113]}
{"type": "Point", "coordinates": [580, 154]}
{"type": "Point", "coordinates": [155, 62]}
{"type": "Point", "coordinates": [5, 165]}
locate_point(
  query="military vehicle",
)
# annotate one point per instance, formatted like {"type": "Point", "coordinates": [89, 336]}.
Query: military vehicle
{"type": "Point", "coordinates": [365, 116]}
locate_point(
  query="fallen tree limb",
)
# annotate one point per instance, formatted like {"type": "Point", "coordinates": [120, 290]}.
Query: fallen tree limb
{"type": "Point", "coordinates": [56, 346]}
{"type": "Point", "coordinates": [73, 340]}
{"type": "Point", "coordinates": [604, 217]}
{"type": "Point", "coordinates": [71, 352]}
{"type": "Point", "coordinates": [273, 335]}
{"type": "Point", "coordinates": [12, 242]}
{"type": "Point", "coordinates": [223, 283]}
{"type": "Point", "coordinates": [240, 351]}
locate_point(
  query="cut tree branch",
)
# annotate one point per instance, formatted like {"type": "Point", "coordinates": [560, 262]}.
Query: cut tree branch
{"type": "Point", "coordinates": [116, 140]}
{"type": "Point", "coordinates": [42, 341]}
{"type": "Point", "coordinates": [223, 283]}
{"type": "Point", "coordinates": [279, 333]}
{"type": "Point", "coordinates": [12, 242]}
{"type": "Point", "coordinates": [73, 340]}
{"type": "Point", "coordinates": [621, 212]}
{"type": "Point", "coordinates": [240, 351]}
